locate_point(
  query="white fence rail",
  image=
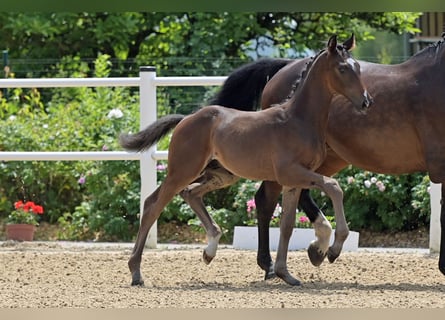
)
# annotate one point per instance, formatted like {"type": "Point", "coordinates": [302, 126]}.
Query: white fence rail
{"type": "Point", "coordinates": [147, 83]}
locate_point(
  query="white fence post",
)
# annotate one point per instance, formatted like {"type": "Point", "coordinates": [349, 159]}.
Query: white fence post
{"type": "Point", "coordinates": [148, 115]}
{"type": "Point", "coordinates": [435, 196]}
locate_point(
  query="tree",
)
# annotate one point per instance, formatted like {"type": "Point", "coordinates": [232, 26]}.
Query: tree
{"type": "Point", "coordinates": [153, 36]}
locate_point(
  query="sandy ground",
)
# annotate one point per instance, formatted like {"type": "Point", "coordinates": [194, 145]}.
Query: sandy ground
{"type": "Point", "coordinates": [59, 275]}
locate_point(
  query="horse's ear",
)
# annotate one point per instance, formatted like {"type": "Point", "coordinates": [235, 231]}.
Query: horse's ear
{"type": "Point", "coordinates": [332, 44]}
{"type": "Point", "coordinates": [350, 43]}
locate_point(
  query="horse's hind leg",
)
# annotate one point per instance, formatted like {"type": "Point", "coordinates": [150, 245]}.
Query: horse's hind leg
{"type": "Point", "coordinates": [215, 177]}
{"type": "Point", "coordinates": [266, 199]}
{"type": "Point", "coordinates": [442, 235]}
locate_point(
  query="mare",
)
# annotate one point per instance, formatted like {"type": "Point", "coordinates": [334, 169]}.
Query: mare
{"type": "Point", "coordinates": [402, 133]}
{"type": "Point", "coordinates": [227, 135]}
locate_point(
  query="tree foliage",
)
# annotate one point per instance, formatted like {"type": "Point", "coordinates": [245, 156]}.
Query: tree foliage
{"type": "Point", "coordinates": [150, 37]}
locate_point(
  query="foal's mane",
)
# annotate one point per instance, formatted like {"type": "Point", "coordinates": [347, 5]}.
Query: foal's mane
{"type": "Point", "coordinates": [303, 74]}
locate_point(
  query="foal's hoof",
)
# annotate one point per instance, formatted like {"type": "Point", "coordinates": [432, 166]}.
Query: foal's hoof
{"type": "Point", "coordinates": [206, 258]}
{"type": "Point", "coordinates": [287, 277]}
{"type": "Point", "coordinates": [316, 256]}
{"type": "Point", "coordinates": [332, 256]}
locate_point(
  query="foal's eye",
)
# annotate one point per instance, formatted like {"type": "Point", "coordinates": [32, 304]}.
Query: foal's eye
{"type": "Point", "coordinates": [341, 69]}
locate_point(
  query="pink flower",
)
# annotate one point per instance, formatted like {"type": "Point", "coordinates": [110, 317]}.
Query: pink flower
{"type": "Point", "coordinates": [380, 186]}
{"type": "Point", "coordinates": [303, 219]}
{"type": "Point", "coordinates": [81, 180]}
{"type": "Point", "coordinates": [250, 205]}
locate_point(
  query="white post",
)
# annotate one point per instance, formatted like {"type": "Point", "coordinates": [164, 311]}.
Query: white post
{"type": "Point", "coordinates": [148, 115]}
{"type": "Point", "coordinates": [435, 196]}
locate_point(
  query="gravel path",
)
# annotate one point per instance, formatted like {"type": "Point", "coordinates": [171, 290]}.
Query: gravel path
{"type": "Point", "coordinates": [57, 274]}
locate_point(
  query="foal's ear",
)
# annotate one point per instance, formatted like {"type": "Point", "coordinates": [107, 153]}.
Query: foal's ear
{"type": "Point", "coordinates": [332, 44]}
{"type": "Point", "coordinates": [350, 43]}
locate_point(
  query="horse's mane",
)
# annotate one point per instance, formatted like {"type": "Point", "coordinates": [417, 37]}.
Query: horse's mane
{"type": "Point", "coordinates": [433, 47]}
{"type": "Point", "coordinates": [304, 72]}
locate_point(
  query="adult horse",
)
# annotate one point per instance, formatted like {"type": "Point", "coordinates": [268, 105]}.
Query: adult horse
{"type": "Point", "coordinates": [402, 133]}
{"type": "Point", "coordinates": [226, 135]}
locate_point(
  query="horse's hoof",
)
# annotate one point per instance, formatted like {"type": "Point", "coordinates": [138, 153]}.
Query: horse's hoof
{"type": "Point", "coordinates": [270, 275]}
{"type": "Point", "coordinates": [137, 283]}
{"type": "Point", "coordinates": [206, 258]}
{"type": "Point", "coordinates": [332, 256]}
{"type": "Point", "coordinates": [315, 255]}
{"type": "Point", "coordinates": [442, 268]}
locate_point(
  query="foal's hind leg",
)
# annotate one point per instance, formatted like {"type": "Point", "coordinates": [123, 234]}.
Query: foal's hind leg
{"type": "Point", "coordinates": [153, 206]}
{"type": "Point", "coordinates": [215, 177]}
{"type": "Point", "coordinates": [176, 180]}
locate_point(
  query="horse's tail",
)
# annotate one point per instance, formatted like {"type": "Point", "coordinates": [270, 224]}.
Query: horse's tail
{"type": "Point", "coordinates": [144, 139]}
{"type": "Point", "coordinates": [243, 87]}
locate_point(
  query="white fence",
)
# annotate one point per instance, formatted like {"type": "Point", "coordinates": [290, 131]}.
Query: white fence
{"type": "Point", "coordinates": [147, 83]}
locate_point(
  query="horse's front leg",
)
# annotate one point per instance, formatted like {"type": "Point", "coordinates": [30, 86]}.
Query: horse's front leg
{"type": "Point", "coordinates": [215, 177]}
{"type": "Point", "coordinates": [316, 250]}
{"type": "Point", "coordinates": [266, 199]}
{"type": "Point", "coordinates": [287, 223]}
{"type": "Point", "coordinates": [442, 232]}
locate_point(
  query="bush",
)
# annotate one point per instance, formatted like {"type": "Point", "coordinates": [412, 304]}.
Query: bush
{"type": "Point", "coordinates": [382, 202]}
{"type": "Point", "coordinates": [106, 203]}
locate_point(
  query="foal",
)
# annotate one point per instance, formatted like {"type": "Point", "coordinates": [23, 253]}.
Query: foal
{"type": "Point", "coordinates": [229, 136]}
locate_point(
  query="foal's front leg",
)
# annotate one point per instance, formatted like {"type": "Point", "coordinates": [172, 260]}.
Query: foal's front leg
{"type": "Point", "coordinates": [287, 223]}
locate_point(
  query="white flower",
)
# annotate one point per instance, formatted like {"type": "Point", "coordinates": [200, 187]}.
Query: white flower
{"type": "Point", "coordinates": [12, 118]}
{"type": "Point", "coordinates": [350, 180]}
{"type": "Point", "coordinates": [115, 113]}
{"type": "Point", "coordinates": [373, 180]}
{"type": "Point", "coordinates": [367, 183]}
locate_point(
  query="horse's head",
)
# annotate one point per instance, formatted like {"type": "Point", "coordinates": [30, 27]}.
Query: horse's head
{"type": "Point", "coordinates": [344, 77]}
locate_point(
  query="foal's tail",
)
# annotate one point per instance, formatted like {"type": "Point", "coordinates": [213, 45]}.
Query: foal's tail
{"type": "Point", "coordinates": [144, 139]}
{"type": "Point", "coordinates": [243, 87]}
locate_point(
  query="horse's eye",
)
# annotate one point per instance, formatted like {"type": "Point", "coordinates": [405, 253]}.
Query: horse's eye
{"type": "Point", "coordinates": [341, 69]}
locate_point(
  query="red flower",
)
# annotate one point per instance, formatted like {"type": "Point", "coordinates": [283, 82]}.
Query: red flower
{"type": "Point", "coordinates": [37, 209]}
{"type": "Point", "coordinates": [28, 206]}
{"type": "Point", "coordinates": [18, 204]}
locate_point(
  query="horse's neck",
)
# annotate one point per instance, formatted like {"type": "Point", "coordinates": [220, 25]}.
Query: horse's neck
{"type": "Point", "coordinates": [311, 102]}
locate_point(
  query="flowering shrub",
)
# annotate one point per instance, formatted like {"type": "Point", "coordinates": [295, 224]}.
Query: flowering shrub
{"type": "Point", "coordinates": [25, 213]}
{"type": "Point", "coordinates": [382, 202]}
